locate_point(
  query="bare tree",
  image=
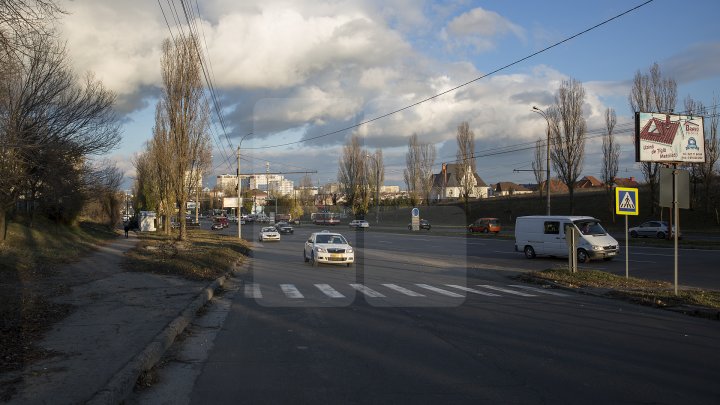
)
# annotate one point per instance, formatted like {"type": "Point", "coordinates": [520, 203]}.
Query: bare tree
{"type": "Point", "coordinates": [428, 154]}
{"type": "Point", "coordinates": [376, 172]}
{"type": "Point", "coordinates": [106, 181]}
{"type": "Point", "coordinates": [538, 165]}
{"type": "Point", "coordinates": [160, 153]}
{"type": "Point", "coordinates": [651, 92]}
{"type": "Point", "coordinates": [465, 157]}
{"type": "Point", "coordinates": [568, 134]}
{"type": "Point", "coordinates": [712, 153]}
{"type": "Point", "coordinates": [187, 115]}
{"type": "Point", "coordinates": [51, 123]}
{"type": "Point", "coordinates": [306, 195]}
{"type": "Point", "coordinates": [146, 185]}
{"type": "Point", "coordinates": [353, 176]}
{"type": "Point", "coordinates": [413, 169]}
{"type": "Point", "coordinates": [611, 156]}
{"type": "Point", "coordinates": [22, 19]}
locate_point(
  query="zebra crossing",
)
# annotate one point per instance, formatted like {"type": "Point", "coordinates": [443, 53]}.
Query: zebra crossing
{"type": "Point", "coordinates": [386, 290]}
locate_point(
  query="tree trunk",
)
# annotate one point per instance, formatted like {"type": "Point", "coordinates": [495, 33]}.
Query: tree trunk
{"type": "Point", "coordinates": [3, 224]}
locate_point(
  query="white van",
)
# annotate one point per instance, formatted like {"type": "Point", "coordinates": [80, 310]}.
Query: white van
{"type": "Point", "coordinates": [545, 235]}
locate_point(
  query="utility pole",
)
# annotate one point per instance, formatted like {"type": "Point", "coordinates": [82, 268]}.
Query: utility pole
{"type": "Point", "coordinates": [239, 189]}
{"type": "Point", "coordinates": [547, 156]}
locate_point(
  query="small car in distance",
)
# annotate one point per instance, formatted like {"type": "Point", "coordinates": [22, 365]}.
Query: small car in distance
{"type": "Point", "coordinates": [657, 229]}
{"type": "Point", "coordinates": [268, 233]}
{"type": "Point", "coordinates": [424, 224]}
{"type": "Point", "coordinates": [284, 228]}
{"type": "Point", "coordinates": [359, 224]}
{"type": "Point", "coordinates": [485, 225]}
{"type": "Point", "coordinates": [328, 247]}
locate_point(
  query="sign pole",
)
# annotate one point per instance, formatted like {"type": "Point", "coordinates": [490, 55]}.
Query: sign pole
{"type": "Point", "coordinates": [675, 214]}
{"type": "Point", "coordinates": [627, 203]}
{"type": "Point", "coordinates": [627, 253]}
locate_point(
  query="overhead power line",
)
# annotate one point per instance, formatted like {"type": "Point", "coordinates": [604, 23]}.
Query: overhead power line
{"type": "Point", "coordinates": [461, 85]}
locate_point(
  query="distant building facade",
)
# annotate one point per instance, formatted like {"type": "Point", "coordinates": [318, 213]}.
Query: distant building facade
{"type": "Point", "coordinates": [447, 185]}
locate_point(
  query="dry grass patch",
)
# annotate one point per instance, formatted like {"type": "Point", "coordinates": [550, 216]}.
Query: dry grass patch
{"type": "Point", "coordinates": [204, 256]}
{"type": "Point", "coordinates": [648, 292]}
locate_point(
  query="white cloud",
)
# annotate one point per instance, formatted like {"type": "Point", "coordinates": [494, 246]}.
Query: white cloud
{"type": "Point", "coordinates": [478, 27]}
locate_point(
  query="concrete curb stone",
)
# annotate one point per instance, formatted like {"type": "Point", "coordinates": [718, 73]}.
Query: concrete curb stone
{"type": "Point", "coordinates": [121, 385]}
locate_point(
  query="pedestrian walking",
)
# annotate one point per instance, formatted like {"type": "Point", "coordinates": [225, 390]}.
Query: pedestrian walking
{"type": "Point", "coordinates": [127, 229]}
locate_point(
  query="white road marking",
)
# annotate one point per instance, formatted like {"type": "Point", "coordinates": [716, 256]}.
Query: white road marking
{"type": "Point", "coordinates": [472, 290]}
{"type": "Point", "coordinates": [367, 291]}
{"type": "Point", "coordinates": [252, 290]}
{"type": "Point", "coordinates": [522, 294]}
{"type": "Point", "coordinates": [440, 291]}
{"type": "Point", "coordinates": [540, 290]}
{"type": "Point", "coordinates": [403, 290]}
{"type": "Point", "coordinates": [291, 291]}
{"type": "Point", "coordinates": [329, 291]}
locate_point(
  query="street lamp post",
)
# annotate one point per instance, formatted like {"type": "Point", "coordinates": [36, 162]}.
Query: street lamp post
{"type": "Point", "coordinates": [547, 157]}
{"type": "Point", "coordinates": [377, 188]}
{"type": "Point", "coordinates": [239, 188]}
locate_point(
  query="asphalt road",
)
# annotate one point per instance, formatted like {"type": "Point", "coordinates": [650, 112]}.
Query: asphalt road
{"type": "Point", "coordinates": [424, 319]}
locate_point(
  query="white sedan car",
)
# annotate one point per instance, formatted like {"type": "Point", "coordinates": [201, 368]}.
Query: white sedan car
{"type": "Point", "coordinates": [359, 224]}
{"type": "Point", "coordinates": [269, 233]}
{"type": "Point", "coordinates": [328, 247]}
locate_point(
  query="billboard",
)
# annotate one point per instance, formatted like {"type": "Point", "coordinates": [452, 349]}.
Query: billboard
{"type": "Point", "coordinates": [669, 138]}
{"type": "Point", "coordinates": [230, 202]}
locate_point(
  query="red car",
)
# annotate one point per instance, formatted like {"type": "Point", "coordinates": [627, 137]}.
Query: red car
{"type": "Point", "coordinates": [485, 225]}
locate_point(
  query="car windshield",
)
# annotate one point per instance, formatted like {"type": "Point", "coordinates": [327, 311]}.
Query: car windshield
{"type": "Point", "coordinates": [333, 239]}
{"type": "Point", "coordinates": [590, 227]}
{"type": "Point", "coordinates": [268, 229]}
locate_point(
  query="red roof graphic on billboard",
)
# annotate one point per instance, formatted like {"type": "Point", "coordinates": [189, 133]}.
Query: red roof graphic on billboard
{"type": "Point", "coordinates": [657, 130]}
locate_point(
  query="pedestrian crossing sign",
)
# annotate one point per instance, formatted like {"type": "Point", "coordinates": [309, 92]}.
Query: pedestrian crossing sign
{"type": "Point", "coordinates": [626, 201]}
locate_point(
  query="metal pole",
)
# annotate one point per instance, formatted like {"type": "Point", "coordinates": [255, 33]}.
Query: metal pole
{"type": "Point", "coordinates": [377, 192]}
{"type": "Point", "coordinates": [239, 189]}
{"type": "Point", "coordinates": [547, 157]}
{"type": "Point", "coordinates": [675, 214]}
{"type": "Point", "coordinates": [547, 165]}
{"type": "Point", "coordinates": [627, 257]}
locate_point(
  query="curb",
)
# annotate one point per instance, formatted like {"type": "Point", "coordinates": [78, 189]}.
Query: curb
{"type": "Point", "coordinates": [121, 385]}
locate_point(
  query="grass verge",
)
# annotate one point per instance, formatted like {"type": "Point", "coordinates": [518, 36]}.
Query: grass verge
{"type": "Point", "coordinates": [647, 292]}
{"type": "Point", "coordinates": [204, 255]}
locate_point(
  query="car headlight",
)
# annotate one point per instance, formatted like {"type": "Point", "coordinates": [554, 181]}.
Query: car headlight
{"type": "Point", "coordinates": [348, 250]}
{"type": "Point", "coordinates": [321, 250]}
{"type": "Point", "coordinates": [597, 248]}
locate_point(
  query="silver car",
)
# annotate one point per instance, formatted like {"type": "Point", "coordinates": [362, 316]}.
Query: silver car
{"type": "Point", "coordinates": [651, 229]}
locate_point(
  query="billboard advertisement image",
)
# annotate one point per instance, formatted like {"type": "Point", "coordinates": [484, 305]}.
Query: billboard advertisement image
{"type": "Point", "coordinates": [669, 138]}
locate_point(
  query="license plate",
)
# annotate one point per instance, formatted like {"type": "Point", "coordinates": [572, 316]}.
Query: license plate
{"type": "Point", "coordinates": [611, 253]}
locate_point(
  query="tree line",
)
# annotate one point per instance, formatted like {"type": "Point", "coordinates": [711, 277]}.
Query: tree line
{"type": "Point", "coordinates": [52, 124]}
{"type": "Point", "coordinates": [170, 170]}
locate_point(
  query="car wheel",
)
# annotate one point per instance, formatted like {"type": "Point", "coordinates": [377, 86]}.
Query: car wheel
{"type": "Point", "coordinates": [633, 234]}
{"type": "Point", "coordinates": [348, 264]}
{"type": "Point", "coordinates": [409, 227]}
{"type": "Point", "coordinates": [312, 257]}
{"type": "Point", "coordinates": [582, 256]}
{"type": "Point", "coordinates": [660, 235]}
{"type": "Point", "coordinates": [305, 257]}
{"type": "Point", "coordinates": [486, 230]}
{"type": "Point", "coordinates": [529, 252]}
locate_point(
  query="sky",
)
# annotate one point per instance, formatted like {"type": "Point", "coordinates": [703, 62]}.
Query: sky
{"type": "Point", "coordinates": [293, 78]}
